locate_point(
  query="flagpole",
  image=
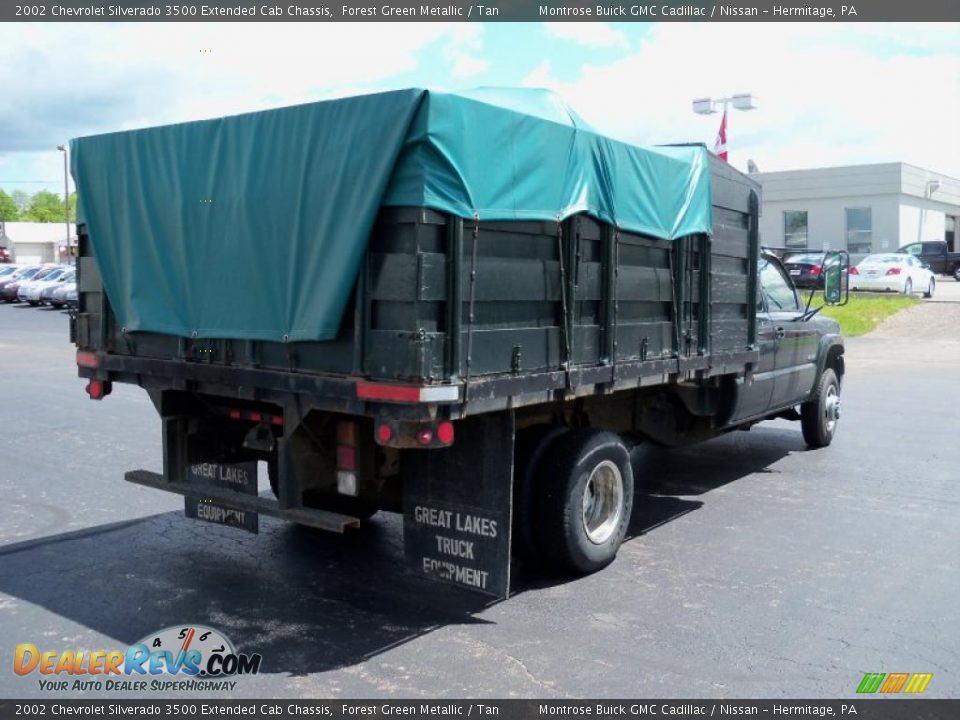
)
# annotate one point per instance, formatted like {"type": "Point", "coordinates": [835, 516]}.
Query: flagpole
{"type": "Point", "coordinates": [708, 106]}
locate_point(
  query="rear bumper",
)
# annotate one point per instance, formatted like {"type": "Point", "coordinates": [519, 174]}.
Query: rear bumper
{"type": "Point", "coordinates": [322, 519]}
{"type": "Point", "coordinates": [882, 284]}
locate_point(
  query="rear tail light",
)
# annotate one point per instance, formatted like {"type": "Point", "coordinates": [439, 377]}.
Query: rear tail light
{"type": "Point", "coordinates": [384, 434]}
{"type": "Point", "coordinates": [87, 359]}
{"type": "Point", "coordinates": [854, 271]}
{"type": "Point", "coordinates": [445, 432]}
{"type": "Point", "coordinates": [95, 389]}
{"type": "Point", "coordinates": [815, 270]}
{"type": "Point", "coordinates": [254, 416]}
{"type": "Point", "coordinates": [893, 271]}
{"type": "Point", "coordinates": [347, 458]}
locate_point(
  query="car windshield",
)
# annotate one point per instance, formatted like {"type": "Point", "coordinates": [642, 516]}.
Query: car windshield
{"type": "Point", "coordinates": [883, 259]}
{"type": "Point", "coordinates": [805, 258]}
{"type": "Point", "coordinates": [7, 271]}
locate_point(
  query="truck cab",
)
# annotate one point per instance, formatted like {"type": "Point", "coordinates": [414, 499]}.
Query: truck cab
{"type": "Point", "coordinates": [935, 255]}
{"type": "Point", "coordinates": [798, 346]}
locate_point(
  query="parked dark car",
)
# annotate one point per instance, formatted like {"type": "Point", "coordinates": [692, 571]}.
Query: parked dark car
{"type": "Point", "coordinates": [805, 268]}
{"type": "Point", "coordinates": [11, 284]}
{"type": "Point", "coordinates": [935, 255]}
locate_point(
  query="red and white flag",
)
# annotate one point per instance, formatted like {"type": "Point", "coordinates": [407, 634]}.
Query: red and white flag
{"type": "Point", "coordinates": [720, 146]}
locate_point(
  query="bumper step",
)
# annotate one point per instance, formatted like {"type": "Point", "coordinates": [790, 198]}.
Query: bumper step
{"type": "Point", "coordinates": [323, 519]}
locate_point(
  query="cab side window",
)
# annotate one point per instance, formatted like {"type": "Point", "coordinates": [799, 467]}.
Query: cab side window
{"type": "Point", "coordinates": [912, 249]}
{"type": "Point", "coordinates": [777, 290]}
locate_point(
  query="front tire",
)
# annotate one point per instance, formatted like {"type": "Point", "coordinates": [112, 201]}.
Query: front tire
{"type": "Point", "coordinates": [908, 287]}
{"type": "Point", "coordinates": [586, 488]}
{"type": "Point", "coordinates": [820, 414]}
{"type": "Point", "coordinates": [956, 273]}
{"type": "Point", "coordinates": [931, 288]}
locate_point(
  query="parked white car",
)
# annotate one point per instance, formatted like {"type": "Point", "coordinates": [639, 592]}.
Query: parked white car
{"type": "Point", "coordinates": [892, 272]}
{"type": "Point", "coordinates": [30, 290]}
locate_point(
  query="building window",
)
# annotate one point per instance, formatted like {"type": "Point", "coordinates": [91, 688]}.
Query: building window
{"type": "Point", "coordinates": [795, 229]}
{"type": "Point", "coordinates": [859, 230]}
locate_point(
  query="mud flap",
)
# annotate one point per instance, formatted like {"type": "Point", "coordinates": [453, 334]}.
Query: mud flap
{"type": "Point", "coordinates": [239, 477]}
{"type": "Point", "coordinates": [457, 506]}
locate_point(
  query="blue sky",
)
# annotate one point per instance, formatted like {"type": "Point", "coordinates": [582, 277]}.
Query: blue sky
{"type": "Point", "coordinates": [827, 94]}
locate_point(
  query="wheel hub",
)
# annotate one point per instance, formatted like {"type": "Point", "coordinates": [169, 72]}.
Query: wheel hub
{"type": "Point", "coordinates": [602, 502]}
{"type": "Point", "coordinates": [831, 408]}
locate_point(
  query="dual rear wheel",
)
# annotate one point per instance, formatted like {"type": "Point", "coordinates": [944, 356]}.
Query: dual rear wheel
{"type": "Point", "coordinates": [573, 495]}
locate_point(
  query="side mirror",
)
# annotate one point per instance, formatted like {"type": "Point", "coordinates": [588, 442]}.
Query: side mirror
{"type": "Point", "coordinates": [836, 278]}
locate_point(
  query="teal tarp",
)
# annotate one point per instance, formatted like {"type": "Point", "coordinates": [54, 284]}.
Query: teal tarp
{"type": "Point", "coordinates": [253, 226]}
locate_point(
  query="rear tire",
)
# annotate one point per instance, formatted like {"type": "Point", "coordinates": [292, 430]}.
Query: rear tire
{"type": "Point", "coordinates": [956, 273]}
{"type": "Point", "coordinates": [586, 496]}
{"type": "Point", "coordinates": [533, 445]}
{"type": "Point", "coordinates": [820, 414]}
{"type": "Point", "coordinates": [931, 288]}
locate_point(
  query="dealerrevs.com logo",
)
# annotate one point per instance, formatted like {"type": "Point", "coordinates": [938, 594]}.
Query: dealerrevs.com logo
{"type": "Point", "coordinates": [179, 658]}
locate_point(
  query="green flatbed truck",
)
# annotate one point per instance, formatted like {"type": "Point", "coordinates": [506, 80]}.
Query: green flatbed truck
{"type": "Point", "coordinates": [461, 308]}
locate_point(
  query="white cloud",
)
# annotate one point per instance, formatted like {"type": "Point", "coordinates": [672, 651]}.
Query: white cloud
{"type": "Point", "coordinates": [462, 49]}
{"type": "Point", "coordinates": [591, 34]}
{"type": "Point", "coordinates": [61, 80]}
{"type": "Point", "coordinates": [828, 95]}
{"type": "Point", "coordinates": [466, 66]}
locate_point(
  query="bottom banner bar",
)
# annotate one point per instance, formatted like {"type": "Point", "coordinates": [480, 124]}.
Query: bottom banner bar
{"type": "Point", "coordinates": [862, 709]}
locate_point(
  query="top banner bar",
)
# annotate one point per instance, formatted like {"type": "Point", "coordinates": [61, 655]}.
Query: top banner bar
{"type": "Point", "coordinates": [460, 11]}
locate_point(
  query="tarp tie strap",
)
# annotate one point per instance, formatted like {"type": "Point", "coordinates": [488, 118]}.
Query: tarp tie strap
{"type": "Point", "coordinates": [470, 310]}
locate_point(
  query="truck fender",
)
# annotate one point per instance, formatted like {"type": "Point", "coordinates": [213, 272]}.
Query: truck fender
{"type": "Point", "coordinates": [830, 355]}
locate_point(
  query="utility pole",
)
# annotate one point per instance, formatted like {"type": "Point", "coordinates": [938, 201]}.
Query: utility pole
{"type": "Point", "coordinates": [66, 200]}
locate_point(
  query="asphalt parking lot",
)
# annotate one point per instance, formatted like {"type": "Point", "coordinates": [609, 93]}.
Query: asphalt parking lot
{"type": "Point", "coordinates": [756, 568]}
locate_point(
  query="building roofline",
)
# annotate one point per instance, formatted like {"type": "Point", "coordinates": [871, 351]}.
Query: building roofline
{"type": "Point", "coordinates": [857, 167]}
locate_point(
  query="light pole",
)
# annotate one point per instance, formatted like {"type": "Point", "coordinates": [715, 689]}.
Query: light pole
{"type": "Point", "coordinates": [66, 200]}
{"type": "Point", "coordinates": [708, 106]}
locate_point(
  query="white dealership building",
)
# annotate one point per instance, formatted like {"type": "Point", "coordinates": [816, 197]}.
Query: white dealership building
{"type": "Point", "coordinates": [859, 208]}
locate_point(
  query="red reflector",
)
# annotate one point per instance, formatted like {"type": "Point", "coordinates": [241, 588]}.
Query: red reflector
{"type": "Point", "coordinates": [255, 416]}
{"type": "Point", "coordinates": [87, 359]}
{"type": "Point", "coordinates": [384, 433]}
{"type": "Point", "coordinates": [95, 389]}
{"type": "Point", "coordinates": [381, 391]}
{"type": "Point", "coordinates": [235, 414]}
{"type": "Point", "coordinates": [346, 457]}
{"type": "Point", "coordinates": [445, 432]}
{"type": "Point", "coordinates": [346, 433]}
{"type": "Point", "coordinates": [425, 436]}
{"type": "Point", "coordinates": [277, 420]}
{"type": "Point", "coordinates": [893, 271]}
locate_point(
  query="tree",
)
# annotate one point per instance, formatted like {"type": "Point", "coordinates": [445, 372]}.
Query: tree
{"type": "Point", "coordinates": [8, 208]}
{"type": "Point", "coordinates": [45, 206]}
{"type": "Point", "coordinates": [21, 199]}
{"type": "Point", "coordinates": [73, 207]}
